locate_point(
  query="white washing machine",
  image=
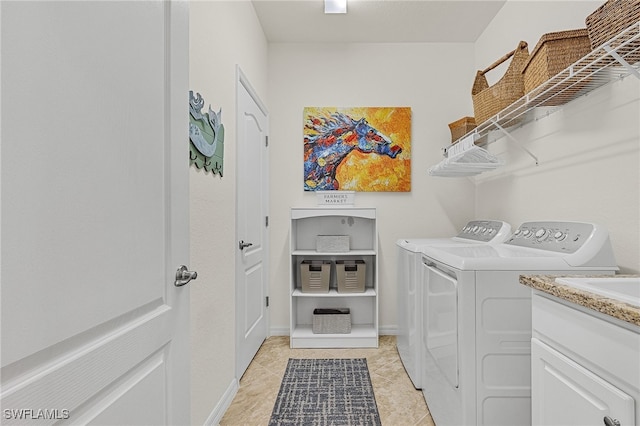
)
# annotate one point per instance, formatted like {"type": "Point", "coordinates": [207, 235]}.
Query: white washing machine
{"type": "Point", "coordinates": [409, 274]}
{"type": "Point", "coordinates": [477, 323]}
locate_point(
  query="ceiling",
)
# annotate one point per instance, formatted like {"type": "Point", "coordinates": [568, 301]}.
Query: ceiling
{"type": "Point", "coordinates": [376, 21]}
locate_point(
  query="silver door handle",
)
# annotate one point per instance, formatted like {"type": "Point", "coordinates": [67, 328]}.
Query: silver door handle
{"type": "Point", "coordinates": [608, 421]}
{"type": "Point", "coordinates": [242, 245]}
{"type": "Point", "coordinates": [183, 276]}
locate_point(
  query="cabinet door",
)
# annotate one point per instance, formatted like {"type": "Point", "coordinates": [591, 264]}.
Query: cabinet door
{"type": "Point", "coordinates": [565, 393]}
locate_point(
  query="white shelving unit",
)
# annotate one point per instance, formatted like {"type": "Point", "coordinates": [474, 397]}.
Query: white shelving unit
{"type": "Point", "coordinates": [361, 227]}
{"type": "Point", "coordinates": [615, 59]}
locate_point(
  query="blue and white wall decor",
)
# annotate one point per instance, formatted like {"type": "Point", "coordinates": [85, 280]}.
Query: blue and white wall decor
{"type": "Point", "coordinates": [206, 136]}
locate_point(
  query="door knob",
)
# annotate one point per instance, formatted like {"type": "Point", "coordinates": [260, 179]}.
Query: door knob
{"type": "Point", "coordinates": [242, 245]}
{"type": "Point", "coordinates": [183, 276]}
{"type": "Point", "coordinates": [608, 421]}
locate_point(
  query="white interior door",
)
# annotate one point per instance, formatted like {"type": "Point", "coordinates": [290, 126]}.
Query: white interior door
{"type": "Point", "coordinates": [94, 212]}
{"type": "Point", "coordinates": [252, 211]}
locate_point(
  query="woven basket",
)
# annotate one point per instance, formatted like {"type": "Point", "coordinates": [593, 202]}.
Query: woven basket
{"type": "Point", "coordinates": [488, 101]}
{"type": "Point", "coordinates": [461, 127]}
{"type": "Point", "coordinates": [610, 19]}
{"type": "Point", "coordinates": [552, 55]}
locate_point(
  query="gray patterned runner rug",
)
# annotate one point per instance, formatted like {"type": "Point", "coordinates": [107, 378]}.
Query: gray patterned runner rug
{"type": "Point", "coordinates": [326, 392]}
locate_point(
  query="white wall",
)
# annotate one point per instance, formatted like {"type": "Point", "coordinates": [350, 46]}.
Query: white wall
{"type": "Point", "coordinates": [433, 79]}
{"type": "Point", "coordinates": [589, 151]}
{"type": "Point", "coordinates": [222, 34]}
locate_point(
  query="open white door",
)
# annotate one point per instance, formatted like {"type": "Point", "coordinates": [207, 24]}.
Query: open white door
{"type": "Point", "coordinates": [252, 221]}
{"type": "Point", "coordinates": [94, 215]}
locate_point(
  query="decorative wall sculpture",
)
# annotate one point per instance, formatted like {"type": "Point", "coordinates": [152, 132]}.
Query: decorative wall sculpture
{"type": "Point", "coordinates": [206, 136]}
{"type": "Point", "coordinates": [357, 149]}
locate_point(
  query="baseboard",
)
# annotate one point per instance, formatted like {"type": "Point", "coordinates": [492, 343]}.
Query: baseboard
{"type": "Point", "coordinates": [279, 331]}
{"type": "Point", "coordinates": [221, 407]}
{"type": "Point", "coordinates": [390, 330]}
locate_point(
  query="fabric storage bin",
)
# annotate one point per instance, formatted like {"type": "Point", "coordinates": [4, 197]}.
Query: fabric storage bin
{"type": "Point", "coordinates": [461, 127]}
{"type": "Point", "coordinates": [552, 55]}
{"type": "Point", "coordinates": [332, 321]}
{"type": "Point", "coordinates": [314, 275]}
{"type": "Point", "coordinates": [490, 100]}
{"type": "Point", "coordinates": [350, 274]}
{"type": "Point", "coordinates": [611, 19]}
{"type": "Point", "coordinates": [332, 243]}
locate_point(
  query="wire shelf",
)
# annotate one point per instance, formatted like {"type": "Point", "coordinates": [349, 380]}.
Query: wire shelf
{"type": "Point", "coordinates": [466, 159]}
{"type": "Point", "coordinates": [617, 58]}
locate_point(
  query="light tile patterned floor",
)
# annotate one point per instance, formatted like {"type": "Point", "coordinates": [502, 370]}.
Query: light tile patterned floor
{"type": "Point", "coordinates": [398, 402]}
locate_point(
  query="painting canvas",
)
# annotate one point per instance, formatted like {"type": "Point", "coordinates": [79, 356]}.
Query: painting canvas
{"type": "Point", "coordinates": [357, 149]}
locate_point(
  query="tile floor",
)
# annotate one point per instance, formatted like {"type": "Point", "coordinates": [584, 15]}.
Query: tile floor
{"type": "Point", "coordinates": [399, 404]}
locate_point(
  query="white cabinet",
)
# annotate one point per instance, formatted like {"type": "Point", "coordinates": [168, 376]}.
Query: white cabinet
{"type": "Point", "coordinates": [359, 224]}
{"type": "Point", "coordinates": [572, 395]}
{"type": "Point", "coordinates": [585, 369]}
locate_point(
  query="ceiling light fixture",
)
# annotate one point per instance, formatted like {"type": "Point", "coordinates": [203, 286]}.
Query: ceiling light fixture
{"type": "Point", "coordinates": [335, 6]}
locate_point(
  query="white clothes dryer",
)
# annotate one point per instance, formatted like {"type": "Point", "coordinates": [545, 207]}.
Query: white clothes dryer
{"type": "Point", "coordinates": [477, 323]}
{"type": "Point", "coordinates": [409, 291]}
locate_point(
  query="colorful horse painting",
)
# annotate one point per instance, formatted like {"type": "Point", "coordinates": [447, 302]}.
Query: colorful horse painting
{"type": "Point", "coordinates": [330, 138]}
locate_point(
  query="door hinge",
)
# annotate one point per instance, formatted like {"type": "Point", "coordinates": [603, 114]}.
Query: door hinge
{"type": "Point", "coordinates": [266, 140]}
{"type": "Point", "coordinates": [266, 221]}
{"type": "Point", "coordinates": [267, 301]}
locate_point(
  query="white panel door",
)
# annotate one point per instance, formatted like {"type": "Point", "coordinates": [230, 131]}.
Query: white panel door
{"type": "Point", "coordinates": [252, 211]}
{"type": "Point", "coordinates": [94, 212]}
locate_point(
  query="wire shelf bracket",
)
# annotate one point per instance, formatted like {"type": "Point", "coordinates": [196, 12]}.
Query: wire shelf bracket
{"type": "Point", "coordinates": [621, 60]}
{"type": "Point", "coordinates": [516, 141]}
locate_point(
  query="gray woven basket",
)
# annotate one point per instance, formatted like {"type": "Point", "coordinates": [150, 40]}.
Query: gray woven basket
{"type": "Point", "coordinates": [332, 321]}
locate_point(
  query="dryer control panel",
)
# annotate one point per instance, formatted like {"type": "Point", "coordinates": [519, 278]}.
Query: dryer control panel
{"type": "Point", "coordinates": [485, 231]}
{"type": "Point", "coordinates": [563, 237]}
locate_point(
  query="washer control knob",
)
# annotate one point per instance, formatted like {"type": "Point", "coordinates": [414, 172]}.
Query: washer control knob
{"type": "Point", "coordinates": [542, 234]}
{"type": "Point", "coordinates": [475, 229]}
{"type": "Point", "coordinates": [526, 233]}
{"type": "Point", "coordinates": [517, 233]}
{"type": "Point", "coordinates": [559, 236]}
